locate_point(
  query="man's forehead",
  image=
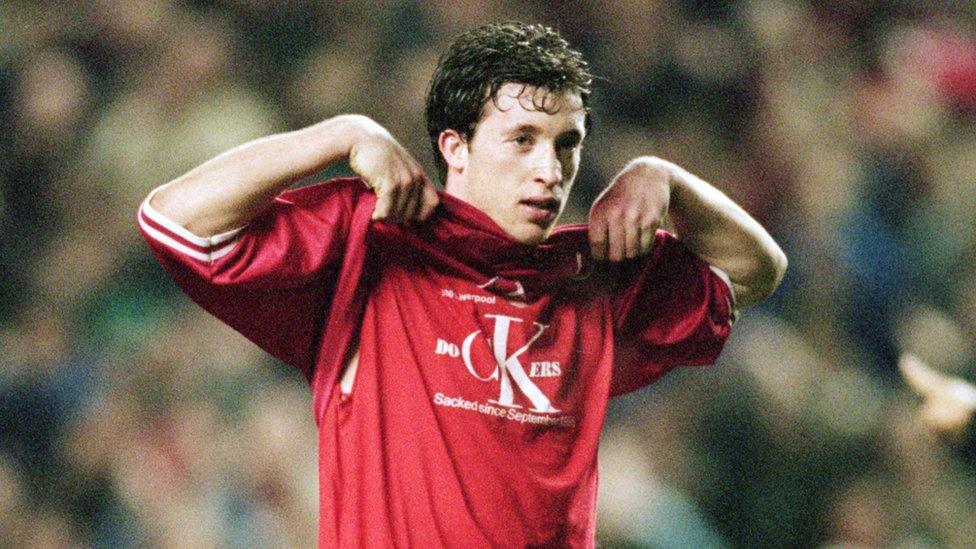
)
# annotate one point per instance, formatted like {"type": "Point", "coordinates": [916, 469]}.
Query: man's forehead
{"type": "Point", "coordinates": [522, 100]}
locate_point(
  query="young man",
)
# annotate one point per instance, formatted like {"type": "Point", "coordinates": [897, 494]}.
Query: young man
{"type": "Point", "coordinates": [460, 350]}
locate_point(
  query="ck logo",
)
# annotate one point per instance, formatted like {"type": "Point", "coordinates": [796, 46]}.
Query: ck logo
{"type": "Point", "coordinates": [508, 370]}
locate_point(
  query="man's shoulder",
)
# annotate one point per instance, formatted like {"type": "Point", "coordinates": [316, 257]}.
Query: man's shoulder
{"type": "Point", "coordinates": [347, 189]}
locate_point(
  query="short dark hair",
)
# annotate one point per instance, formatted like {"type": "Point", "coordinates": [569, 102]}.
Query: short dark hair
{"type": "Point", "coordinates": [481, 60]}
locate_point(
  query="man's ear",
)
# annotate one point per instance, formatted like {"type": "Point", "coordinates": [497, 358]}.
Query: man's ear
{"type": "Point", "coordinates": [454, 149]}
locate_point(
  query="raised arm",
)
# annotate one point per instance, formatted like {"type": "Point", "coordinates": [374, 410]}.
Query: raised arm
{"type": "Point", "coordinates": [229, 190]}
{"type": "Point", "coordinates": [624, 217]}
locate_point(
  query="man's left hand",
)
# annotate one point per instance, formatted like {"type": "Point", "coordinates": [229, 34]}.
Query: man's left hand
{"type": "Point", "coordinates": [624, 218]}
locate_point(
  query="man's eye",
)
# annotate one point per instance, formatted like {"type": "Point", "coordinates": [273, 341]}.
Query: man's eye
{"type": "Point", "coordinates": [522, 140]}
{"type": "Point", "coordinates": [568, 144]}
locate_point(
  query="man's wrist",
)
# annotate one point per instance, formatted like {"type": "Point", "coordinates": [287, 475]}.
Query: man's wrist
{"type": "Point", "coordinates": [352, 129]}
{"type": "Point", "coordinates": [657, 171]}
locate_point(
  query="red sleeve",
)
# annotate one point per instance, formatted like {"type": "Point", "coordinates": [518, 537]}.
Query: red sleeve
{"type": "Point", "coordinates": [674, 309]}
{"type": "Point", "coordinates": [273, 280]}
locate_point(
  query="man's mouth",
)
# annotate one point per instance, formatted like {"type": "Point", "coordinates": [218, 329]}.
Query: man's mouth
{"type": "Point", "coordinates": [540, 210]}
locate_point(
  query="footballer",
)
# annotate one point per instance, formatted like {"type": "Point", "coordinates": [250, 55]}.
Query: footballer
{"type": "Point", "coordinates": [460, 346]}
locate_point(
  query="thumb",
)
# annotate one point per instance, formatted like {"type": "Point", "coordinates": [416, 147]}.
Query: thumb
{"type": "Point", "coordinates": [920, 377]}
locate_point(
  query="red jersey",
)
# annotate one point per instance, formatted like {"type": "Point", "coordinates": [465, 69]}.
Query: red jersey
{"type": "Point", "coordinates": [460, 378]}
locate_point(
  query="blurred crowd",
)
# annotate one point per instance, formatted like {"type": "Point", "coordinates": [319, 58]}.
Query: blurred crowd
{"type": "Point", "coordinates": [128, 417]}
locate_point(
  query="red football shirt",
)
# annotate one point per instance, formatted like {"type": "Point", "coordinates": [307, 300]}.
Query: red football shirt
{"type": "Point", "coordinates": [460, 379]}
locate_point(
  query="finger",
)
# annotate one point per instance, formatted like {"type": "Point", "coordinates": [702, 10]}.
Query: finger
{"type": "Point", "coordinates": [647, 239]}
{"type": "Point", "coordinates": [411, 207]}
{"type": "Point", "coordinates": [963, 393]}
{"type": "Point", "coordinates": [423, 190]}
{"type": "Point", "coordinates": [429, 200]}
{"type": "Point", "coordinates": [383, 199]}
{"type": "Point", "coordinates": [392, 191]}
{"type": "Point", "coordinates": [945, 418]}
{"type": "Point", "coordinates": [598, 238]}
{"type": "Point", "coordinates": [418, 198]}
{"type": "Point", "coordinates": [933, 415]}
{"type": "Point", "coordinates": [404, 198]}
{"type": "Point", "coordinates": [920, 377]}
{"type": "Point", "coordinates": [631, 232]}
{"type": "Point", "coordinates": [616, 241]}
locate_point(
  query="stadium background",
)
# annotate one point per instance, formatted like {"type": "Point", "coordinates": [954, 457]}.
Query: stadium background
{"type": "Point", "coordinates": [128, 417]}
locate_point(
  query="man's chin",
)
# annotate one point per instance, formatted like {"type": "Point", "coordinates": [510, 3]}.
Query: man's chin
{"type": "Point", "coordinates": [532, 233]}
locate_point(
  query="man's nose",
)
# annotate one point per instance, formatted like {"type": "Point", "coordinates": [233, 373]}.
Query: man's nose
{"type": "Point", "coordinates": [550, 170]}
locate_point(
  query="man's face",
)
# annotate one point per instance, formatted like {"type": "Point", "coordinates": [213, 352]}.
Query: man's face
{"type": "Point", "coordinates": [520, 163]}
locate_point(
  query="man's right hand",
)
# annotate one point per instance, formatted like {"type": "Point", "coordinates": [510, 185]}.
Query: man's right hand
{"type": "Point", "coordinates": [403, 190]}
{"type": "Point", "coordinates": [228, 191]}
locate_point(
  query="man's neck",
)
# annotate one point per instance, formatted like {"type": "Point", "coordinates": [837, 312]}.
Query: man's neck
{"type": "Point", "coordinates": [454, 185]}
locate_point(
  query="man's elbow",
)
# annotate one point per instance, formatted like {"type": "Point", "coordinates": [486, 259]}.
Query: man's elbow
{"type": "Point", "coordinates": [174, 204]}
{"type": "Point", "coordinates": [162, 201]}
{"type": "Point", "coordinates": [765, 278]}
{"type": "Point", "coordinates": [777, 267]}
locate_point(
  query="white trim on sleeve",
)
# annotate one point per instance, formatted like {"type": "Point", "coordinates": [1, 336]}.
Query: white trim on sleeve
{"type": "Point", "coordinates": [733, 312]}
{"type": "Point", "coordinates": [182, 240]}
